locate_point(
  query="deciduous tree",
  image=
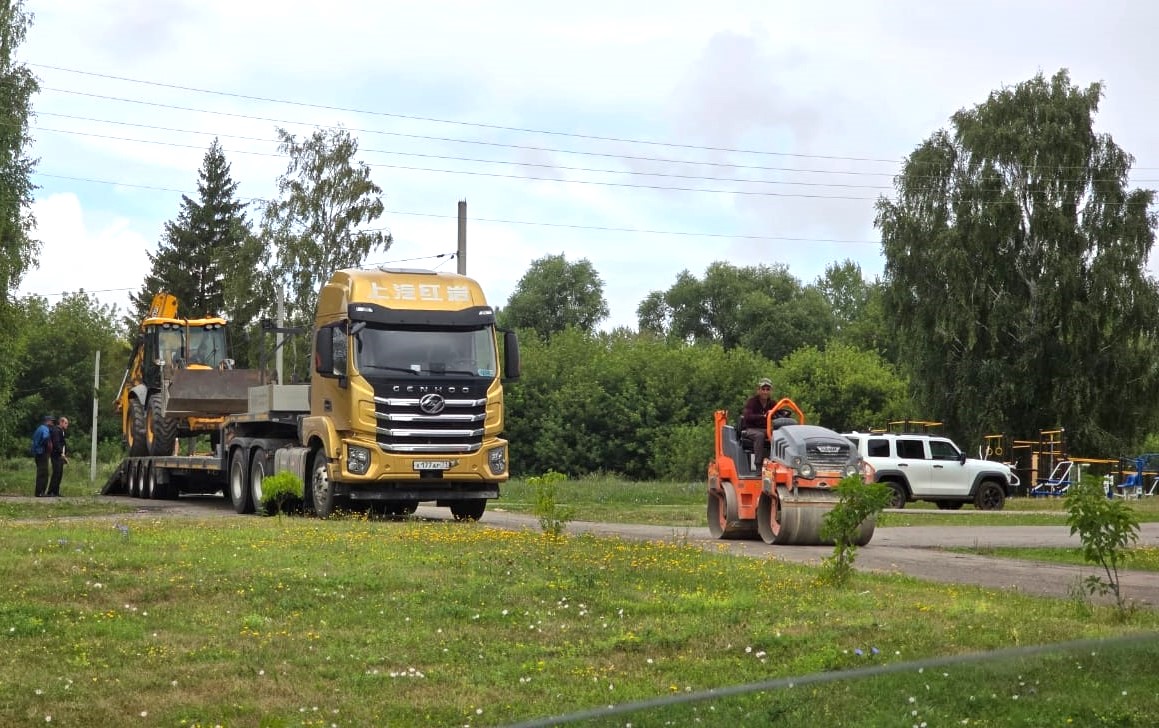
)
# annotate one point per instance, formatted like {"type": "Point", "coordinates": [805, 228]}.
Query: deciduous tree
{"type": "Point", "coordinates": [1015, 271]}
{"type": "Point", "coordinates": [762, 308]}
{"type": "Point", "coordinates": [318, 223]}
{"type": "Point", "coordinates": [554, 295]}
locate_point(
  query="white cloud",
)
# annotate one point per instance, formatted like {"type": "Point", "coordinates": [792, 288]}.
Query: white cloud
{"type": "Point", "coordinates": [108, 260]}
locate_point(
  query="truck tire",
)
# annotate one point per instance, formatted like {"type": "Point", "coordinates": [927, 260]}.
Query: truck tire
{"type": "Point", "coordinates": [239, 485]}
{"type": "Point", "coordinates": [161, 432]}
{"type": "Point", "coordinates": [257, 475]}
{"type": "Point", "coordinates": [469, 510]}
{"type": "Point", "coordinates": [321, 489]}
{"type": "Point", "coordinates": [138, 445]}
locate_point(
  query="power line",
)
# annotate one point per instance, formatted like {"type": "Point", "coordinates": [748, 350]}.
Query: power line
{"type": "Point", "coordinates": [482, 125]}
{"type": "Point", "coordinates": [524, 147]}
{"type": "Point", "coordinates": [485, 161]}
{"type": "Point", "coordinates": [478, 125]}
{"type": "Point", "coordinates": [600, 228]}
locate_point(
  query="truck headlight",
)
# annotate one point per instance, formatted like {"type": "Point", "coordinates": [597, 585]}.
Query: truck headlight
{"type": "Point", "coordinates": [497, 460]}
{"type": "Point", "coordinates": [806, 471]}
{"type": "Point", "coordinates": [850, 470]}
{"type": "Point", "coordinates": [357, 459]}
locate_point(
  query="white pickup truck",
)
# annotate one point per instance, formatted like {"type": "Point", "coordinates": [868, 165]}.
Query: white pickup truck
{"type": "Point", "coordinates": [932, 468]}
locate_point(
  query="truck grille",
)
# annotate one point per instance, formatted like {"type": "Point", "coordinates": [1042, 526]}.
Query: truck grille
{"type": "Point", "coordinates": [429, 424]}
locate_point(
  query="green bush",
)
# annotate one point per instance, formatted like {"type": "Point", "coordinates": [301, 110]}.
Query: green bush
{"type": "Point", "coordinates": [1107, 528]}
{"type": "Point", "coordinates": [859, 501]}
{"type": "Point", "coordinates": [279, 491]}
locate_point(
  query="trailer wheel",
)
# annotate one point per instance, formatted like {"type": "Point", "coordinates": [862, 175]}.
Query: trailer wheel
{"type": "Point", "coordinates": [138, 445]}
{"type": "Point", "coordinates": [257, 475]}
{"type": "Point", "coordinates": [469, 510]}
{"type": "Point", "coordinates": [135, 479]}
{"type": "Point", "coordinates": [149, 483]}
{"type": "Point", "coordinates": [239, 487]}
{"type": "Point", "coordinates": [321, 489]}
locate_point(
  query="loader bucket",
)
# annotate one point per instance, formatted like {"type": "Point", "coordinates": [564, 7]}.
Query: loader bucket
{"type": "Point", "coordinates": [210, 392]}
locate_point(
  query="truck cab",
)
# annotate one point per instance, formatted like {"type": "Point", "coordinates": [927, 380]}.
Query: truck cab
{"type": "Point", "coordinates": [406, 394]}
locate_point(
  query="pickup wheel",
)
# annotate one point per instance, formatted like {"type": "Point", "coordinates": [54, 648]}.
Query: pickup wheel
{"type": "Point", "coordinates": [897, 496]}
{"type": "Point", "coordinates": [990, 497]}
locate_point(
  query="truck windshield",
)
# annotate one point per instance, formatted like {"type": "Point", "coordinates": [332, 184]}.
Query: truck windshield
{"type": "Point", "coordinates": [468, 353]}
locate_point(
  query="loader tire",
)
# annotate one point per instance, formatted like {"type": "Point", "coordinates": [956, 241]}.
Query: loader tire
{"type": "Point", "coordinates": [161, 432]}
{"type": "Point", "coordinates": [138, 446]}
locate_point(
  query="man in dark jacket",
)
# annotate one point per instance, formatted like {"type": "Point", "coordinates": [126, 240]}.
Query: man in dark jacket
{"type": "Point", "coordinates": [42, 451]}
{"type": "Point", "coordinates": [59, 457]}
{"type": "Point", "coordinates": [755, 417]}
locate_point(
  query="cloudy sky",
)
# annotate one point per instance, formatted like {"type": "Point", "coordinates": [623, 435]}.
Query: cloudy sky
{"type": "Point", "coordinates": [648, 138]}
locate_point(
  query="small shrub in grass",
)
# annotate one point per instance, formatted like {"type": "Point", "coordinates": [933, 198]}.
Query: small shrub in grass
{"type": "Point", "coordinates": [858, 501]}
{"type": "Point", "coordinates": [279, 492]}
{"type": "Point", "coordinates": [552, 517]}
{"type": "Point", "coordinates": [1107, 528]}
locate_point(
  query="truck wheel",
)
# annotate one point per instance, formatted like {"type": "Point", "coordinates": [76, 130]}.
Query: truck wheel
{"type": "Point", "coordinates": [257, 475]}
{"type": "Point", "coordinates": [160, 431]}
{"type": "Point", "coordinates": [138, 446]}
{"type": "Point", "coordinates": [897, 496]}
{"type": "Point", "coordinates": [321, 489]}
{"type": "Point", "coordinates": [469, 509]}
{"type": "Point", "coordinates": [989, 497]}
{"type": "Point", "coordinates": [239, 487]}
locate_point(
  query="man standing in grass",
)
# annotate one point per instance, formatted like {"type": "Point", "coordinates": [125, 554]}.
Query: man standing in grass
{"type": "Point", "coordinates": [42, 451]}
{"type": "Point", "coordinates": [59, 451]}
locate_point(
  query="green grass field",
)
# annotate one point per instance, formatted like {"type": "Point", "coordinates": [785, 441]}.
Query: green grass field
{"type": "Point", "coordinates": [349, 622]}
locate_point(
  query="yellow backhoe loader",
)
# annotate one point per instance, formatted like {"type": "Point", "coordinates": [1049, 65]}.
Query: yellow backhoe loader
{"type": "Point", "coordinates": [180, 380]}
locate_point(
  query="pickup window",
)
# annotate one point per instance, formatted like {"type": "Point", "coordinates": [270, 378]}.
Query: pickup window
{"type": "Point", "coordinates": [911, 449]}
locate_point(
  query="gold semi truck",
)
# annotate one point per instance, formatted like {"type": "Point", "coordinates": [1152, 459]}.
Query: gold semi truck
{"type": "Point", "coordinates": [404, 405]}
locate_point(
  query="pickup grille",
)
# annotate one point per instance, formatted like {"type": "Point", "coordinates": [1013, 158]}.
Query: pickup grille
{"type": "Point", "coordinates": [403, 427]}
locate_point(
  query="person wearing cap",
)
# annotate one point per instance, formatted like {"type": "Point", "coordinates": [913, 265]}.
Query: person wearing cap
{"type": "Point", "coordinates": [42, 451]}
{"type": "Point", "coordinates": [59, 459]}
{"type": "Point", "coordinates": [754, 417]}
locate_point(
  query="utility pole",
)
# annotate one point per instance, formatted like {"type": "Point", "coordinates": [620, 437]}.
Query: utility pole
{"type": "Point", "coordinates": [96, 397]}
{"type": "Point", "coordinates": [278, 338]}
{"type": "Point", "coordinates": [461, 256]}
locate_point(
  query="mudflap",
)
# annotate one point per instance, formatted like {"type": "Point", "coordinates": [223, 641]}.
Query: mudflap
{"type": "Point", "coordinates": [210, 391]}
{"type": "Point", "coordinates": [117, 484]}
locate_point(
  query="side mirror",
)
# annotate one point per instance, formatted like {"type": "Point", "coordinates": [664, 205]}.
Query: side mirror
{"type": "Point", "coordinates": [324, 352]}
{"type": "Point", "coordinates": [962, 458]}
{"type": "Point", "coordinates": [511, 363]}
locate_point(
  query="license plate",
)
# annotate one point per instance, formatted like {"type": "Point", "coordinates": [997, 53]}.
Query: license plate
{"type": "Point", "coordinates": [432, 464]}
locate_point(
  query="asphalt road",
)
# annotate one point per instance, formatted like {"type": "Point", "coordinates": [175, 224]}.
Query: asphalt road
{"type": "Point", "coordinates": [913, 550]}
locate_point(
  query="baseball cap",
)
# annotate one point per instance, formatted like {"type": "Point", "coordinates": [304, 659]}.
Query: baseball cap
{"type": "Point", "coordinates": [765, 382]}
